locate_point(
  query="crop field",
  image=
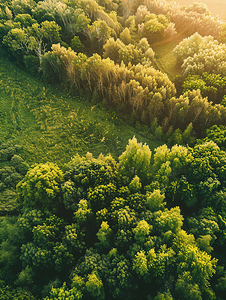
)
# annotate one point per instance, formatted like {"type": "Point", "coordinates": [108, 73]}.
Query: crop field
{"type": "Point", "coordinates": [53, 126]}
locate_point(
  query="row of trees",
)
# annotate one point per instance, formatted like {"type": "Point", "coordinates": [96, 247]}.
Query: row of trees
{"type": "Point", "coordinates": [143, 226]}
{"type": "Point", "coordinates": [140, 90]}
{"type": "Point", "coordinates": [198, 54]}
{"type": "Point", "coordinates": [210, 85]}
{"type": "Point", "coordinates": [91, 24]}
{"type": "Point", "coordinates": [124, 78]}
{"type": "Point", "coordinates": [84, 21]}
{"type": "Point", "coordinates": [129, 88]}
{"type": "Point", "coordinates": [107, 229]}
{"type": "Point", "coordinates": [194, 18]}
{"type": "Point", "coordinates": [13, 168]}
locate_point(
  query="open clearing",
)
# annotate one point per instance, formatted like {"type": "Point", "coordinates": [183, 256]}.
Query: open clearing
{"type": "Point", "coordinates": [165, 59]}
{"type": "Point", "coordinates": [53, 126]}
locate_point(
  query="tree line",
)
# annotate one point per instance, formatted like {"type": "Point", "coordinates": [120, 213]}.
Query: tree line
{"type": "Point", "coordinates": [142, 226]}
{"type": "Point", "coordinates": [105, 49]}
{"type": "Point", "coordinates": [147, 226]}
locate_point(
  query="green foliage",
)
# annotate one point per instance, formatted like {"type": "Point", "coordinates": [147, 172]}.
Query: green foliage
{"type": "Point", "coordinates": [204, 243]}
{"type": "Point", "coordinates": [72, 238]}
{"type": "Point", "coordinates": [100, 32]}
{"type": "Point", "coordinates": [208, 161]}
{"type": "Point", "coordinates": [45, 120]}
{"type": "Point", "coordinates": [7, 151]}
{"type": "Point", "coordinates": [154, 26]}
{"type": "Point", "coordinates": [101, 195]}
{"type": "Point", "coordinates": [8, 202]}
{"type": "Point", "coordinates": [125, 36]}
{"type": "Point", "coordinates": [181, 189]}
{"type": "Point", "coordinates": [198, 54]}
{"type": "Point", "coordinates": [176, 158]}
{"type": "Point", "coordinates": [46, 234]}
{"type": "Point", "coordinates": [54, 65]}
{"type": "Point", "coordinates": [135, 160]}
{"type": "Point", "coordinates": [83, 213]}
{"type": "Point", "coordinates": [158, 133]}
{"type": "Point", "coordinates": [133, 93]}
{"type": "Point", "coordinates": [204, 226]}
{"type": "Point", "coordinates": [25, 20]}
{"type": "Point", "coordinates": [140, 264]}
{"type": "Point", "coordinates": [31, 38]}
{"type": "Point", "coordinates": [19, 164]}
{"type": "Point", "coordinates": [15, 294]}
{"type": "Point", "coordinates": [111, 49]}
{"type": "Point", "coordinates": [117, 238]}
{"type": "Point", "coordinates": [217, 135]}
{"type": "Point", "coordinates": [192, 107]}
{"type": "Point", "coordinates": [202, 267]}
{"type": "Point", "coordinates": [11, 238]}
{"type": "Point", "coordinates": [25, 277]}
{"type": "Point", "coordinates": [123, 50]}
{"type": "Point", "coordinates": [62, 257]}
{"type": "Point", "coordinates": [187, 135]}
{"type": "Point", "coordinates": [9, 177]}
{"type": "Point", "coordinates": [194, 18]}
{"type": "Point", "coordinates": [64, 293]}
{"type": "Point", "coordinates": [29, 219]}
{"type": "Point", "coordinates": [211, 85]}
{"type": "Point", "coordinates": [35, 257]}
{"type": "Point", "coordinates": [23, 6]}
{"type": "Point", "coordinates": [40, 188]}
{"type": "Point", "coordinates": [12, 171]}
{"type": "Point", "coordinates": [129, 238]}
{"type": "Point", "coordinates": [82, 175]}
{"type": "Point", "coordinates": [165, 296]}
{"type": "Point", "coordinates": [155, 200]}
{"type": "Point", "coordinates": [90, 171]}
{"type": "Point", "coordinates": [186, 288]}
{"type": "Point", "coordinates": [104, 235]}
{"type": "Point", "coordinates": [76, 43]}
{"type": "Point", "coordinates": [95, 286]}
{"type": "Point", "coordinates": [141, 231]}
{"type": "Point", "coordinates": [169, 220]}
{"type": "Point", "coordinates": [125, 217]}
{"type": "Point", "coordinates": [130, 54]}
{"type": "Point", "coordinates": [135, 185]}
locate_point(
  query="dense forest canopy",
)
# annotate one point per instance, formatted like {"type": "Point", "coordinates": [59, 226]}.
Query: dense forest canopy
{"type": "Point", "coordinates": [216, 7]}
{"type": "Point", "coordinates": [149, 223]}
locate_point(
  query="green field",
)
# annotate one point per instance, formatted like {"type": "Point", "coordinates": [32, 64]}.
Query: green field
{"type": "Point", "coordinates": [165, 59]}
{"type": "Point", "coordinates": [53, 126]}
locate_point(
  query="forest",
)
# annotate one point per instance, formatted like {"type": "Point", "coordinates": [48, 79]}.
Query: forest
{"type": "Point", "coordinates": [112, 150]}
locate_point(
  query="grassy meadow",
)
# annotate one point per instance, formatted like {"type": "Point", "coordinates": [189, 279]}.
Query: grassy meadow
{"type": "Point", "coordinates": [165, 60]}
{"type": "Point", "coordinates": [53, 126]}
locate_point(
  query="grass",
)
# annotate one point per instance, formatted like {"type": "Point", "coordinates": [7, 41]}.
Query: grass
{"type": "Point", "coordinates": [53, 126]}
{"type": "Point", "coordinates": [165, 59]}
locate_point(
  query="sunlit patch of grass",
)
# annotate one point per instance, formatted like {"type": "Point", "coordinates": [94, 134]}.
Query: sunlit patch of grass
{"type": "Point", "coordinates": [165, 59]}
{"type": "Point", "coordinates": [52, 126]}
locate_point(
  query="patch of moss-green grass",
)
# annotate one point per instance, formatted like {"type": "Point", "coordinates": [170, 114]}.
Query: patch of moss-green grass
{"type": "Point", "coordinates": [165, 59]}
{"type": "Point", "coordinates": [53, 126]}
